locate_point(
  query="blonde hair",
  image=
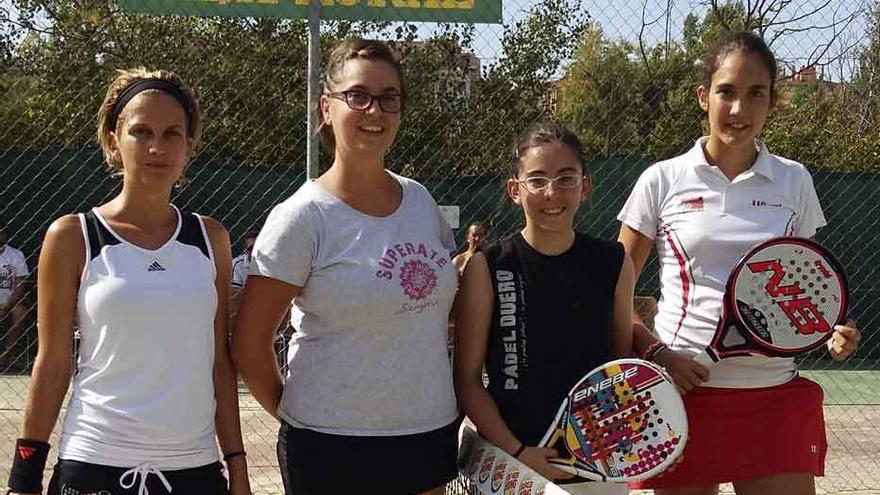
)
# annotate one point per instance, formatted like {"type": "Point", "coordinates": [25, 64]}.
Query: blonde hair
{"type": "Point", "coordinates": [125, 79]}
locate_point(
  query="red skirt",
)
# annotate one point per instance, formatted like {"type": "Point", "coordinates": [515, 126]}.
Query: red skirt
{"type": "Point", "coordinates": [736, 434]}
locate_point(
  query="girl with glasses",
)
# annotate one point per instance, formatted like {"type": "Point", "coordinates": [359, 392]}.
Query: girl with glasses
{"type": "Point", "coordinates": [365, 256]}
{"type": "Point", "coordinates": [540, 308]}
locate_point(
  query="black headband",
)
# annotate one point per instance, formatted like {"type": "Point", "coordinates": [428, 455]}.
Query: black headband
{"type": "Point", "coordinates": [141, 85]}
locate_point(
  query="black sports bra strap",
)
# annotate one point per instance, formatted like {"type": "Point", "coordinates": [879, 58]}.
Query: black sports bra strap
{"type": "Point", "coordinates": [97, 234]}
{"type": "Point", "coordinates": [191, 233]}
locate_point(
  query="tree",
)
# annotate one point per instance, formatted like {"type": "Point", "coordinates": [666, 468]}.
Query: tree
{"type": "Point", "coordinates": [619, 107]}
{"type": "Point", "coordinates": [250, 76]}
{"type": "Point", "coordinates": [866, 82]}
{"type": "Point", "coordinates": [601, 94]}
{"type": "Point", "coordinates": [510, 94]}
{"type": "Point", "coordinates": [637, 99]}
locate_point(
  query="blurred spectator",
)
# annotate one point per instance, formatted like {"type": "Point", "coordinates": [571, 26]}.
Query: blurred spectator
{"type": "Point", "coordinates": [241, 262]}
{"type": "Point", "coordinates": [240, 266]}
{"type": "Point", "coordinates": [476, 234]}
{"type": "Point", "coordinates": [13, 271]}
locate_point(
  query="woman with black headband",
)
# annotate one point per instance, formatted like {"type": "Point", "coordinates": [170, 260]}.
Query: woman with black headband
{"type": "Point", "coordinates": [148, 285]}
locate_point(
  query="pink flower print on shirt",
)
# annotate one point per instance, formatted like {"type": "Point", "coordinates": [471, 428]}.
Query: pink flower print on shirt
{"type": "Point", "coordinates": [417, 279]}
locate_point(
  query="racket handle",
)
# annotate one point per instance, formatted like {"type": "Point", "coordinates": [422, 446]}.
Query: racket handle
{"type": "Point", "coordinates": [583, 473]}
{"type": "Point", "coordinates": [706, 358]}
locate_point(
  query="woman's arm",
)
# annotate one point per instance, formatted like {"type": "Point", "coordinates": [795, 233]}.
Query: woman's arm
{"type": "Point", "coordinates": [686, 372]}
{"type": "Point", "coordinates": [62, 258]}
{"type": "Point", "coordinates": [264, 302]}
{"type": "Point", "coordinates": [637, 246]}
{"type": "Point", "coordinates": [622, 337]}
{"type": "Point", "coordinates": [60, 266]}
{"type": "Point", "coordinates": [227, 419]}
{"type": "Point", "coordinates": [474, 314]}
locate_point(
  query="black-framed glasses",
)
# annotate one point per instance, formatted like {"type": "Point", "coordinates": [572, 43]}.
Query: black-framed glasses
{"type": "Point", "coordinates": [538, 183]}
{"type": "Point", "coordinates": [361, 100]}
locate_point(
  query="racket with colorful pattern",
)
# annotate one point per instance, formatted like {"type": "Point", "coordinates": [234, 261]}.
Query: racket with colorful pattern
{"type": "Point", "coordinates": [623, 421]}
{"type": "Point", "coordinates": [782, 298]}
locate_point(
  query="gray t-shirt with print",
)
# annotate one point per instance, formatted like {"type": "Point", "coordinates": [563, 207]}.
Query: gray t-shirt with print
{"type": "Point", "coordinates": [369, 356]}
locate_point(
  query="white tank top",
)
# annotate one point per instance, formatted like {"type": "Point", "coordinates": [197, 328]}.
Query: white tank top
{"type": "Point", "coordinates": [144, 392]}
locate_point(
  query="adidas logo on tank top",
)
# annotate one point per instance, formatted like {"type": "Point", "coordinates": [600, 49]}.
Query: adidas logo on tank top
{"type": "Point", "coordinates": [156, 267]}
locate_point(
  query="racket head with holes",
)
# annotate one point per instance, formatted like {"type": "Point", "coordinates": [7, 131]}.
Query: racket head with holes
{"type": "Point", "coordinates": [623, 421]}
{"type": "Point", "coordinates": [784, 296]}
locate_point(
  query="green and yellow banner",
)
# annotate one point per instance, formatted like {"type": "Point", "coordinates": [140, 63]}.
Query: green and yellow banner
{"type": "Point", "coordinates": [482, 11]}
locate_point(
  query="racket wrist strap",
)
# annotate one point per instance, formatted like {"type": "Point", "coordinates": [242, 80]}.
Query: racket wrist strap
{"type": "Point", "coordinates": [519, 451]}
{"type": "Point", "coordinates": [652, 350]}
{"type": "Point", "coordinates": [28, 462]}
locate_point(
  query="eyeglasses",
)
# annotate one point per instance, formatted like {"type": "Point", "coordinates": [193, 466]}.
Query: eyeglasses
{"type": "Point", "coordinates": [538, 183]}
{"type": "Point", "coordinates": [361, 101]}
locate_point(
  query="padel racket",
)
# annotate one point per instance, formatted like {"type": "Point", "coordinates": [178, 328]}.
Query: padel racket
{"type": "Point", "coordinates": [782, 298]}
{"type": "Point", "coordinates": [493, 470]}
{"type": "Point", "coordinates": [623, 421]}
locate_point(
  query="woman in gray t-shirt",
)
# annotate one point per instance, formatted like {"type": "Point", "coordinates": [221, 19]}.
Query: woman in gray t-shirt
{"type": "Point", "coordinates": [365, 256]}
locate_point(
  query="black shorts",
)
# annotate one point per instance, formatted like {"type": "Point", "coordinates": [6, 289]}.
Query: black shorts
{"type": "Point", "coordinates": [82, 478]}
{"type": "Point", "coordinates": [315, 463]}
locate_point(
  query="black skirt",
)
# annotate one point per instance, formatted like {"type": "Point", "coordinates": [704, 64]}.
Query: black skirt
{"type": "Point", "coordinates": [315, 463]}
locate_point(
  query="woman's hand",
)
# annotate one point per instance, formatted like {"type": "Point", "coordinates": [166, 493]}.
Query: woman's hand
{"type": "Point", "coordinates": [537, 458]}
{"type": "Point", "coordinates": [239, 484]}
{"type": "Point", "coordinates": [685, 372]}
{"type": "Point", "coordinates": [845, 340]}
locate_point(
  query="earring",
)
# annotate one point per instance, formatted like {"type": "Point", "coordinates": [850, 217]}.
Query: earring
{"type": "Point", "coordinates": [181, 182]}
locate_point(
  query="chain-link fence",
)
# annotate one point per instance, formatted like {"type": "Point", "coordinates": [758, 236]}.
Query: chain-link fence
{"type": "Point", "coordinates": [621, 74]}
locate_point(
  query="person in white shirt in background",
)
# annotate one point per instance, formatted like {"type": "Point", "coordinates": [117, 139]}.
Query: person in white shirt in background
{"type": "Point", "coordinates": [13, 271]}
{"type": "Point", "coordinates": [240, 267]}
{"type": "Point", "coordinates": [241, 263]}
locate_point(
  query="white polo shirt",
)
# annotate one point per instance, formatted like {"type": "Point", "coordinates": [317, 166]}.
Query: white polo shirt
{"type": "Point", "coordinates": [702, 223]}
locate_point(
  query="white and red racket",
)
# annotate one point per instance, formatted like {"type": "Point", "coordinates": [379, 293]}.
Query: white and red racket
{"type": "Point", "coordinates": [783, 298]}
{"type": "Point", "coordinates": [623, 421]}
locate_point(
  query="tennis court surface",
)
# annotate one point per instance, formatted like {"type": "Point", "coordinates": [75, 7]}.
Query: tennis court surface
{"type": "Point", "coordinates": [852, 414]}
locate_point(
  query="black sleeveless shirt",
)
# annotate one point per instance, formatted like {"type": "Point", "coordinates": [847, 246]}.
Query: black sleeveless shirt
{"type": "Point", "coordinates": [552, 323]}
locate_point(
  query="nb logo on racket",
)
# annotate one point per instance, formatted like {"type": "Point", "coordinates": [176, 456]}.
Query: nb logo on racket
{"type": "Point", "coordinates": [804, 315]}
{"type": "Point", "coordinates": [822, 269]}
{"type": "Point", "coordinates": [598, 387]}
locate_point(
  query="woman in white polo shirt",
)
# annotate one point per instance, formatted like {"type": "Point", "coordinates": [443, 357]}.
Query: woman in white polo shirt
{"type": "Point", "coordinates": [753, 421]}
